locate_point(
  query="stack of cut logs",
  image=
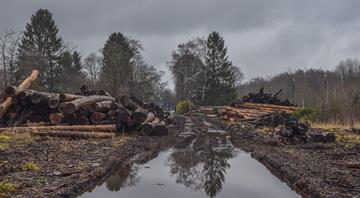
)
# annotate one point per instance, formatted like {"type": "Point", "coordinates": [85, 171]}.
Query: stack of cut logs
{"type": "Point", "coordinates": [246, 111]}
{"type": "Point", "coordinates": [265, 98]}
{"type": "Point", "coordinates": [275, 116]}
{"type": "Point", "coordinates": [77, 114]}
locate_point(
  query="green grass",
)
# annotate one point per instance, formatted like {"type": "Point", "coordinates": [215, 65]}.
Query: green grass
{"type": "Point", "coordinates": [6, 188]}
{"type": "Point", "coordinates": [30, 166]}
{"type": "Point", "coordinates": [4, 142]}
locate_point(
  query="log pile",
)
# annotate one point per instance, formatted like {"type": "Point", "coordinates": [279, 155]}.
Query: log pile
{"type": "Point", "coordinates": [88, 109]}
{"type": "Point", "coordinates": [264, 98]}
{"type": "Point", "coordinates": [278, 118]}
{"type": "Point", "coordinates": [245, 111]}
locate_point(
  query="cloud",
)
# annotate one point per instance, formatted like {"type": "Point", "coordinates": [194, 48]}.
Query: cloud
{"type": "Point", "coordinates": [263, 37]}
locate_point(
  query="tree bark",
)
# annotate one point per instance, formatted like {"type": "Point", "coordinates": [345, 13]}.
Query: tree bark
{"type": "Point", "coordinates": [71, 107]}
{"type": "Point", "coordinates": [82, 120]}
{"type": "Point", "coordinates": [75, 134]}
{"type": "Point", "coordinates": [24, 85]}
{"type": "Point", "coordinates": [68, 97]}
{"type": "Point", "coordinates": [84, 128]}
{"type": "Point", "coordinates": [56, 118]}
{"type": "Point", "coordinates": [128, 103]}
{"type": "Point", "coordinates": [103, 106]}
{"type": "Point", "coordinates": [97, 117]}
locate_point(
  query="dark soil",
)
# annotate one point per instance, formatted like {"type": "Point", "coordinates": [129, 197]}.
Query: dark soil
{"type": "Point", "coordinates": [67, 168]}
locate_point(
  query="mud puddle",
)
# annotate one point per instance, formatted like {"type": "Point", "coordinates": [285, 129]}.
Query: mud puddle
{"type": "Point", "coordinates": [206, 167]}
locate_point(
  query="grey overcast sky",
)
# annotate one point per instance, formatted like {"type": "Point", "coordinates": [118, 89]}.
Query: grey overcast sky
{"type": "Point", "coordinates": [264, 37]}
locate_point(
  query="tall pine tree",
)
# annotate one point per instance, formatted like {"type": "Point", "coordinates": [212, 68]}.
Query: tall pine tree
{"type": "Point", "coordinates": [40, 48]}
{"type": "Point", "coordinates": [117, 70]}
{"type": "Point", "coordinates": [221, 79]}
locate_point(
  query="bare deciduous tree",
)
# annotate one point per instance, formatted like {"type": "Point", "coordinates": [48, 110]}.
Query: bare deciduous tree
{"type": "Point", "coordinates": [9, 41]}
{"type": "Point", "coordinates": [92, 66]}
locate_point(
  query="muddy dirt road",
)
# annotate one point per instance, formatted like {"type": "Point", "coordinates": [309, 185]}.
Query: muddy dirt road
{"type": "Point", "coordinates": [55, 167]}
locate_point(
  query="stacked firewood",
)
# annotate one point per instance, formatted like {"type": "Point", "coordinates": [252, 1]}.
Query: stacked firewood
{"type": "Point", "coordinates": [265, 98]}
{"type": "Point", "coordinates": [25, 107]}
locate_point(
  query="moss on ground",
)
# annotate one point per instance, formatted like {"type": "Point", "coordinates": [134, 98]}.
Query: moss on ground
{"type": "Point", "coordinates": [6, 188]}
{"type": "Point", "coordinates": [30, 166]}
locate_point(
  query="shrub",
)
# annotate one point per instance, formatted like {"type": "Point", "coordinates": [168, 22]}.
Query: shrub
{"type": "Point", "coordinates": [306, 114]}
{"type": "Point", "coordinates": [184, 106]}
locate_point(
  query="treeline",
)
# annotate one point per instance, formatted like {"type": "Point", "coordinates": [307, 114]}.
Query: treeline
{"type": "Point", "coordinates": [119, 69]}
{"type": "Point", "coordinates": [334, 94]}
{"type": "Point", "coordinates": [203, 73]}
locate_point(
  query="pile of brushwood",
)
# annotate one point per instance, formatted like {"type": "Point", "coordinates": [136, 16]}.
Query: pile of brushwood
{"type": "Point", "coordinates": [265, 98]}
{"type": "Point", "coordinates": [87, 109]}
{"type": "Point", "coordinates": [290, 127]}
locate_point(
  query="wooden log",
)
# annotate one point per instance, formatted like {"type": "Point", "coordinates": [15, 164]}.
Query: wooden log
{"type": "Point", "coordinates": [74, 134]}
{"type": "Point", "coordinates": [56, 118]}
{"type": "Point", "coordinates": [123, 115]}
{"type": "Point", "coordinates": [72, 106]}
{"type": "Point", "coordinates": [69, 97]}
{"type": "Point", "coordinates": [147, 129]}
{"type": "Point", "coordinates": [82, 120]}
{"type": "Point", "coordinates": [53, 103]}
{"type": "Point", "coordinates": [103, 106]}
{"type": "Point", "coordinates": [155, 128]}
{"type": "Point", "coordinates": [36, 97]}
{"type": "Point", "coordinates": [84, 110]}
{"type": "Point", "coordinates": [97, 117]}
{"type": "Point", "coordinates": [139, 115]}
{"type": "Point", "coordinates": [249, 104]}
{"type": "Point", "coordinates": [24, 85]}
{"type": "Point", "coordinates": [160, 130]}
{"type": "Point", "coordinates": [70, 119]}
{"type": "Point", "coordinates": [84, 128]}
{"type": "Point", "coordinates": [128, 103]}
{"type": "Point", "coordinates": [156, 121]}
{"type": "Point", "coordinates": [150, 117]}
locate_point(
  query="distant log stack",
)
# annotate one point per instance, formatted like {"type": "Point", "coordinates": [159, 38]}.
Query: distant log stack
{"type": "Point", "coordinates": [264, 98]}
{"type": "Point", "coordinates": [126, 114]}
{"type": "Point", "coordinates": [245, 111]}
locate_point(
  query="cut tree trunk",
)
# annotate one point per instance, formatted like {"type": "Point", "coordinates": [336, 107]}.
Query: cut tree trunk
{"type": "Point", "coordinates": [56, 118]}
{"type": "Point", "coordinates": [69, 97]}
{"type": "Point", "coordinates": [103, 106]}
{"type": "Point", "coordinates": [75, 134]}
{"type": "Point", "coordinates": [128, 103]}
{"type": "Point", "coordinates": [97, 117]}
{"type": "Point", "coordinates": [72, 106]}
{"type": "Point", "coordinates": [82, 120]}
{"type": "Point", "coordinates": [24, 85]}
{"type": "Point", "coordinates": [84, 128]}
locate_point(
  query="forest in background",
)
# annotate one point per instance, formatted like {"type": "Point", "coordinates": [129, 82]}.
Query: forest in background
{"type": "Point", "coordinates": [333, 94]}
{"type": "Point", "coordinates": [118, 68]}
{"type": "Point", "coordinates": [201, 70]}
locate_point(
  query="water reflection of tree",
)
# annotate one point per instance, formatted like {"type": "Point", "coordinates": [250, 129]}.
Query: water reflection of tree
{"type": "Point", "coordinates": [122, 178]}
{"type": "Point", "coordinates": [201, 169]}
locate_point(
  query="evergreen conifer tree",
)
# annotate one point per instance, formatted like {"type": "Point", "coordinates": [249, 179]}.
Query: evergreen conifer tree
{"type": "Point", "coordinates": [221, 86]}
{"type": "Point", "coordinates": [117, 70]}
{"type": "Point", "coordinates": [40, 48]}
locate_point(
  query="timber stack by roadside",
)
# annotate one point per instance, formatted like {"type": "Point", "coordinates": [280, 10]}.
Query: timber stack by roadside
{"type": "Point", "coordinates": [88, 113]}
{"type": "Point", "coordinates": [267, 110]}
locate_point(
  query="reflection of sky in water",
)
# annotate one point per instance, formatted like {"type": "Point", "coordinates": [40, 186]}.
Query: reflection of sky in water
{"type": "Point", "coordinates": [245, 178]}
